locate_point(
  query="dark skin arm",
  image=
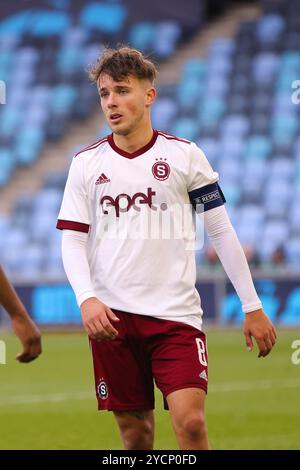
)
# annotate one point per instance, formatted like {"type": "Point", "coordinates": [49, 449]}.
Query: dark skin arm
{"type": "Point", "coordinates": [23, 326]}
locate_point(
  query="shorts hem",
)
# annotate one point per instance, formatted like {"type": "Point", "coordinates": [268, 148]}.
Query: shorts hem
{"type": "Point", "coordinates": [127, 408]}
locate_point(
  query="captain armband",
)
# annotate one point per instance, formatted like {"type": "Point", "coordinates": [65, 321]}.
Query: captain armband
{"type": "Point", "coordinates": [207, 197]}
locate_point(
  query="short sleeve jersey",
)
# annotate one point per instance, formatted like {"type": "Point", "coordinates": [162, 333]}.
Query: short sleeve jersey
{"type": "Point", "coordinates": [138, 211]}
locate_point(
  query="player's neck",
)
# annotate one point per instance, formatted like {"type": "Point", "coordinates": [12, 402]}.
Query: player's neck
{"type": "Point", "coordinates": [133, 141]}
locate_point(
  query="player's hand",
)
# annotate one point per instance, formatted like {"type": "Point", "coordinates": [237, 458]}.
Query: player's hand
{"type": "Point", "coordinates": [29, 335]}
{"type": "Point", "coordinates": [260, 327]}
{"type": "Point", "coordinates": [97, 318]}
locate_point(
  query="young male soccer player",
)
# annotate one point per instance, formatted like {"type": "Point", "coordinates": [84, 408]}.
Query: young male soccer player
{"type": "Point", "coordinates": [23, 326]}
{"type": "Point", "coordinates": [136, 290]}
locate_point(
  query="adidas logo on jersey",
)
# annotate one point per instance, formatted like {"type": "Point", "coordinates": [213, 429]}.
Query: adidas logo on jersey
{"type": "Point", "coordinates": [102, 179]}
{"type": "Point", "coordinates": [203, 375]}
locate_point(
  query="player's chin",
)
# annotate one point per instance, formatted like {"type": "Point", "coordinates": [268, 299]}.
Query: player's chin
{"type": "Point", "coordinates": [115, 127]}
{"type": "Point", "coordinates": [118, 130]}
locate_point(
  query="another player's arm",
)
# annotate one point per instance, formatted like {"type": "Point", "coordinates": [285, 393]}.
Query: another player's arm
{"type": "Point", "coordinates": [96, 316]}
{"type": "Point", "coordinates": [23, 326]}
{"type": "Point", "coordinates": [233, 259]}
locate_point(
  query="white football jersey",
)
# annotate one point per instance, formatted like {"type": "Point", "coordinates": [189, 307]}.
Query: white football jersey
{"type": "Point", "coordinates": [136, 208]}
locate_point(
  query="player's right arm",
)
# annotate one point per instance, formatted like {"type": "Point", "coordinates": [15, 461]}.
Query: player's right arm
{"type": "Point", "coordinates": [74, 220]}
{"type": "Point", "coordinates": [96, 316]}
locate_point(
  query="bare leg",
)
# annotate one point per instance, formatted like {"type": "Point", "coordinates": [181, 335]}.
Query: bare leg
{"type": "Point", "coordinates": [187, 414]}
{"type": "Point", "coordinates": [136, 428]}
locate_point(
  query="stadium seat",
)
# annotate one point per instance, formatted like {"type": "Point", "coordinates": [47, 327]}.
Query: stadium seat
{"type": "Point", "coordinates": [270, 28]}
{"type": "Point", "coordinates": [167, 34]}
{"type": "Point", "coordinates": [142, 35]}
{"type": "Point", "coordinates": [107, 17]}
{"type": "Point", "coordinates": [48, 23]}
{"type": "Point", "coordinates": [164, 112]}
{"type": "Point", "coordinates": [186, 128]}
{"type": "Point", "coordinates": [258, 147]}
{"type": "Point", "coordinates": [194, 69]}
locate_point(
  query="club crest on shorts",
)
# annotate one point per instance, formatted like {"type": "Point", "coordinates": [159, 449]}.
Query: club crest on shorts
{"type": "Point", "coordinates": [102, 390]}
{"type": "Point", "coordinates": [161, 169]}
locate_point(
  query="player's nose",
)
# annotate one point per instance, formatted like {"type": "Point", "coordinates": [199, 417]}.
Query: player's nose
{"type": "Point", "coordinates": [111, 101]}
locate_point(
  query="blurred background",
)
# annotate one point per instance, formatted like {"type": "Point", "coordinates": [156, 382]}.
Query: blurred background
{"type": "Point", "coordinates": [228, 81]}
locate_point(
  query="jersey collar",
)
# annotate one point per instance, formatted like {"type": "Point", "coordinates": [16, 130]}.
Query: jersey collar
{"type": "Point", "coordinates": [138, 152]}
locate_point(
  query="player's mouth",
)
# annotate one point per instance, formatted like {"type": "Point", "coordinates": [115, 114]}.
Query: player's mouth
{"type": "Point", "coordinates": [115, 118]}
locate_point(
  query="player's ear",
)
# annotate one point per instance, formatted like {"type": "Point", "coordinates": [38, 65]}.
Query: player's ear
{"type": "Point", "coordinates": [150, 96]}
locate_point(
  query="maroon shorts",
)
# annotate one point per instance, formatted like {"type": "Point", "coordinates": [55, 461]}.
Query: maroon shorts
{"type": "Point", "coordinates": [172, 353]}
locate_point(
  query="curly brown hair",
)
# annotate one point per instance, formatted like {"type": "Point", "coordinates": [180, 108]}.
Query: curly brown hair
{"type": "Point", "coordinates": [121, 62]}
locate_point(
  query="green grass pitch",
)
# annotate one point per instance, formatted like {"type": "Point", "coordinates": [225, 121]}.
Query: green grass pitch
{"type": "Point", "coordinates": [49, 404]}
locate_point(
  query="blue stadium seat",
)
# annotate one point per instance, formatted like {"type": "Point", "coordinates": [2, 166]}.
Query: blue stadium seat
{"type": "Point", "coordinates": [217, 86]}
{"type": "Point", "coordinates": [232, 193]}
{"type": "Point", "coordinates": [281, 168]}
{"type": "Point", "coordinates": [237, 125]}
{"type": "Point", "coordinates": [49, 200]}
{"type": "Point", "coordinates": [74, 36]}
{"type": "Point", "coordinates": [292, 249]}
{"type": "Point", "coordinates": [142, 35]}
{"type": "Point", "coordinates": [220, 66]}
{"type": "Point", "coordinates": [27, 56]}
{"type": "Point", "coordinates": [11, 119]}
{"type": "Point", "coordinates": [69, 60]}
{"type": "Point", "coordinates": [9, 41]}
{"type": "Point", "coordinates": [63, 99]}
{"type": "Point", "coordinates": [186, 128]}
{"type": "Point", "coordinates": [164, 112]}
{"type": "Point", "coordinates": [106, 17]}
{"type": "Point", "coordinates": [248, 233]}
{"type": "Point", "coordinates": [49, 23]}
{"type": "Point", "coordinates": [211, 110]}
{"type": "Point", "coordinates": [264, 68]}
{"type": "Point", "coordinates": [221, 47]}
{"type": "Point", "coordinates": [194, 69]}
{"type": "Point", "coordinates": [16, 24]}
{"type": "Point", "coordinates": [167, 34]}
{"type": "Point", "coordinates": [278, 195]}
{"type": "Point", "coordinates": [28, 144]}
{"type": "Point", "coordinates": [91, 54]}
{"type": "Point", "coordinates": [189, 94]}
{"type": "Point", "coordinates": [276, 231]}
{"type": "Point", "coordinates": [210, 147]}
{"type": "Point", "coordinates": [232, 148]}
{"type": "Point", "coordinates": [270, 28]}
{"type": "Point", "coordinates": [258, 147]}
{"type": "Point", "coordinates": [229, 170]}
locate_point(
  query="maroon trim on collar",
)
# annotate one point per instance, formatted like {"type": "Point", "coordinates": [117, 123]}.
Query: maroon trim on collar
{"type": "Point", "coordinates": [137, 153]}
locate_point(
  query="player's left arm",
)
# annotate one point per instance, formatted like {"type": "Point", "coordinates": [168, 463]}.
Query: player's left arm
{"type": "Point", "coordinates": [233, 259]}
{"type": "Point", "coordinates": [23, 326]}
{"type": "Point", "coordinates": [258, 325]}
{"type": "Point", "coordinates": [207, 198]}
